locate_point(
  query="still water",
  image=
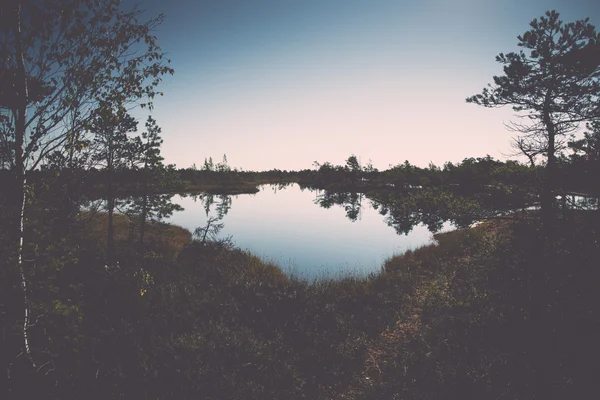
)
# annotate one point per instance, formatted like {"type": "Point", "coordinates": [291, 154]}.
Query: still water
{"type": "Point", "coordinates": [288, 227]}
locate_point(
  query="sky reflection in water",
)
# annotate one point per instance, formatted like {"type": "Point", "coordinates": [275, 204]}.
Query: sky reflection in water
{"type": "Point", "coordinates": [286, 227]}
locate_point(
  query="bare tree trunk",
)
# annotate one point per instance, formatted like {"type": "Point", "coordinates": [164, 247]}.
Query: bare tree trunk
{"type": "Point", "coordinates": [110, 239]}
{"type": "Point", "coordinates": [547, 197]}
{"type": "Point", "coordinates": [26, 311]}
{"type": "Point", "coordinates": [143, 217]}
{"type": "Point", "coordinates": [144, 208]}
{"type": "Point", "coordinates": [208, 224]}
{"type": "Point", "coordinates": [20, 112]}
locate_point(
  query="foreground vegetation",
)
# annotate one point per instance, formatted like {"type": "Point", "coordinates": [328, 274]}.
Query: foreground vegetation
{"type": "Point", "coordinates": [486, 313]}
{"type": "Point", "coordinates": [115, 305]}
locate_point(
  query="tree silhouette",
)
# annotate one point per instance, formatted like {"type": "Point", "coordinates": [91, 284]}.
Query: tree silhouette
{"type": "Point", "coordinates": [111, 127]}
{"type": "Point", "coordinates": [553, 85]}
{"type": "Point", "coordinates": [59, 61]}
{"type": "Point", "coordinates": [585, 161]}
{"type": "Point", "coordinates": [145, 158]}
{"type": "Point", "coordinates": [354, 167]}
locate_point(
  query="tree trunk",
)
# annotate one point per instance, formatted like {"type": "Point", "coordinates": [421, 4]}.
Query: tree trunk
{"type": "Point", "coordinates": [110, 205]}
{"type": "Point", "coordinates": [110, 238]}
{"type": "Point", "coordinates": [547, 197]}
{"type": "Point", "coordinates": [20, 113]}
{"type": "Point", "coordinates": [144, 207]}
{"type": "Point", "coordinates": [143, 221]}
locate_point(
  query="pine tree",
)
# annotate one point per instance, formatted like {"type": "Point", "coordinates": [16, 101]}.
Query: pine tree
{"type": "Point", "coordinates": [112, 151]}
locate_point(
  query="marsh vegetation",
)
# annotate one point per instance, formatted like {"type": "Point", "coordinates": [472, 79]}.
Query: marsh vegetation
{"type": "Point", "coordinates": [101, 296]}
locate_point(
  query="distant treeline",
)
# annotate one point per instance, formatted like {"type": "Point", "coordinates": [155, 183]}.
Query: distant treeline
{"type": "Point", "coordinates": [574, 174]}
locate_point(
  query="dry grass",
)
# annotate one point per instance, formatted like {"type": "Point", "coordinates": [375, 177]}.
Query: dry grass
{"type": "Point", "coordinates": [168, 238]}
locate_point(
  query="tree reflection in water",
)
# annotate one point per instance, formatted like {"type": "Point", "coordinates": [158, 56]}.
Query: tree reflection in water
{"type": "Point", "coordinates": [431, 207]}
{"type": "Point", "coordinates": [210, 231]}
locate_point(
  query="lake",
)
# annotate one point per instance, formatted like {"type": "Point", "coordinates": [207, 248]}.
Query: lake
{"type": "Point", "coordinates": [289, 227]}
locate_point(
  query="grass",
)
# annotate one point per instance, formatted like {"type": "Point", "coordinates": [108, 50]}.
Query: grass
{"type": "Point", "coordinates": [496, 317]}
{"type": "Point", "coordinates": [486, 312]}
{"type": "Point", "coordinates": [160, 236]}
{"type": "Point", "coordinates": [455, 319]}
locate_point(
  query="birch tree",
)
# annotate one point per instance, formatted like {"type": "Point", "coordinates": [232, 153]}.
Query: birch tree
{"type": "Point", "coordinates": [58, 60]}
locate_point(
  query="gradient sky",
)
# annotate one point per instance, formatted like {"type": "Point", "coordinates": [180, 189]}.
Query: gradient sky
{"type": "Point", "coordinates": [282, 83]}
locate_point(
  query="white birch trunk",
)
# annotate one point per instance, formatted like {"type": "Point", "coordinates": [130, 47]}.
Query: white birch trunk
{"type": "Point", "coordinates": [26, 315]}
{"type": "Point", "coordinates": [20, 158]}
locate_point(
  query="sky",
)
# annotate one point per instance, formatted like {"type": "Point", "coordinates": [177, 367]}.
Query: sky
{"type": "Point", "coordinates": [283, 83]}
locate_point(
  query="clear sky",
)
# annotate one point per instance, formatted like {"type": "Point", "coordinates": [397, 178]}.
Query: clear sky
{"type": "Point", "coordinates": [283, 83]}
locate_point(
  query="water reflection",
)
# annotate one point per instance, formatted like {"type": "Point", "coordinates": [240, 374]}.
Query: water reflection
{"type": "Point", "coordinates": [214, 225]}
{"type": "Point", "coordinates": [351, 202]}
{"type": "Point", "coordinates": [578, 202]}
{"type": "Point", "coordinates": [280, 186]}
{"type": "Point", "coordinates": [318, 233]}
{"type": "Point", "coordinates": [403, 211]}
{"type": "Point", "coordinates": [222, 201]}
{"type": "Point", "coordinates": [153, 207]}
{"type": "Point", "coordinates": [309, 233]}
{"type": "Point", "coordinates": [150, 207]}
